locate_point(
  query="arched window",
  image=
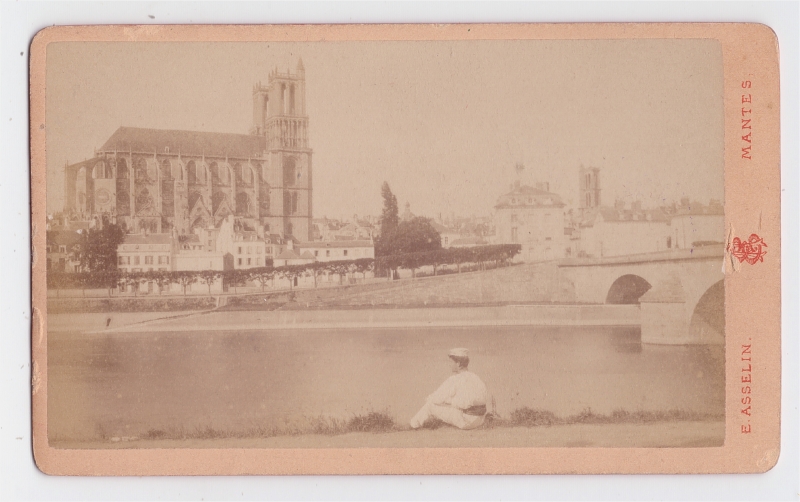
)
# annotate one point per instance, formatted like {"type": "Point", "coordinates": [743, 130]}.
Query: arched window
{"type": "Point", "coordinates": [166, 169]}
{"type": "Point", "coordinates": [283, 99]}
{"type": "Point", "coordinates": [588, 199]}
{"type": "Point", "coordinates": [289, 228]}
{"type": "Point", "coordinates": [80, 189]}
{"type": "Point", "coordinates": [242, 204]}
{"type": "Point", "coordinates": [192, 172]}
{"type": "Point", "coordinates": [102, 171]}
{"type": "Point", "coordinates": [294, 202]}
{"type": "Point", "coordinates": [123, 202]}
{"type": "Point", "coordinates": [244, 174]}
{"type": "Point", "coordinates": [289, 170]}
{"type": "Point", "coordinates": [291, 100]}
{"type": "Point", "coordinates": [141, 169]}
{"type": "Point", "coordinates": [216, 177]}
{"type": "Point", "coordinates": [258, 168]}
{"type": "Point", "coordinates": [264, 201]}
{"type": "Point", "coordinates": [122, 169]}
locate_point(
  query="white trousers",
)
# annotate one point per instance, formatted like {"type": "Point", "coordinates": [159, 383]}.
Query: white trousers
{"type": "Point", "coordinates": [447, 414]}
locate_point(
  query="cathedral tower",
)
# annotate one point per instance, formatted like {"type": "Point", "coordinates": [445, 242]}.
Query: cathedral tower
{"type": "Point", "coordinates": [279, 114]}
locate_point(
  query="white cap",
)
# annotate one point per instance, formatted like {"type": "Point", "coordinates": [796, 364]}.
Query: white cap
{"type": "Point", "coordinates": [458, 353]}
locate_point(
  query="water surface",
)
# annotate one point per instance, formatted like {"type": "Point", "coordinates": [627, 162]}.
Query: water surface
{"type": "Point", "coordinates": [125, 384]}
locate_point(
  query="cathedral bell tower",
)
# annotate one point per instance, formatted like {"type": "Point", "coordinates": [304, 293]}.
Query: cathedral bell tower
{"type": "Point", "coordinates": [279, 114]}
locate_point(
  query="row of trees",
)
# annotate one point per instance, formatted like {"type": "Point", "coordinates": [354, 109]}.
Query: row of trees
{"type": "Point", "coordinates": [109, 279]}
{"type": "Point", "coordinates": [480, 255]}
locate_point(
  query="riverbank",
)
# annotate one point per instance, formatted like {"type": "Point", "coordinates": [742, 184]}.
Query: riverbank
{"type": "Point", "coordinates": [454, 316]}
{"type": "Point", "coordinates": [682, 434]}
{"type": "Point", "coordinates": [517, 284]}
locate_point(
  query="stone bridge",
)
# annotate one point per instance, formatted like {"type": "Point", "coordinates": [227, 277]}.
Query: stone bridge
{"type": "Point", "coordinates": [680, 293]}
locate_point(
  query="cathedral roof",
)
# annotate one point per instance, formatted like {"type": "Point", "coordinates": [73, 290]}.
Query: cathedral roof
{"type": "Point", "coordinates": [214, 144]}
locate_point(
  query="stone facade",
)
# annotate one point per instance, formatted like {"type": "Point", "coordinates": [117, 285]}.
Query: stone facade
{"type": "Point", "coordinates": [534, 218]}
{"type": "Point", "coordinates": [159, 180]}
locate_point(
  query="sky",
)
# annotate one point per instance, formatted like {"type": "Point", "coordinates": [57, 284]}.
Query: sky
{"type": "Point", "coordinates": [444, 123]}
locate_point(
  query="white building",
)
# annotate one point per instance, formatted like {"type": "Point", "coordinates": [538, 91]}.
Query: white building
{"type": "Point", "coordinates": [337, 250]}
{"type": "Point", "coordinates": [694, 224]}
{"type": "Point", "coordinates": [146, 253]}
{"type": "Point", "coordinates": [534, 218]}
{"type": "Point", "coordinates": [447, 234]}
{"type": "Point", "coordinates": [615, 231]}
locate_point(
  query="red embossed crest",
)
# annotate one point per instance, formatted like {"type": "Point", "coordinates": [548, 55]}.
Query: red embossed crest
{"type": "Point", "coordinates": [752, 250]}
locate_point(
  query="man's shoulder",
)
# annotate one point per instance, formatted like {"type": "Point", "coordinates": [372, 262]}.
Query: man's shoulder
{"type": "Point", "coordinates": [468, 375]}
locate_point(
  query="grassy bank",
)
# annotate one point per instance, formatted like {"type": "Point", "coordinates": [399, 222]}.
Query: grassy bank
{"type": "Point", "coordinates": [382, 422]}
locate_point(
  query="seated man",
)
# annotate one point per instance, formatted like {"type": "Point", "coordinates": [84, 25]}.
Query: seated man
{"type": "Point", "coordinates": [459, 401]}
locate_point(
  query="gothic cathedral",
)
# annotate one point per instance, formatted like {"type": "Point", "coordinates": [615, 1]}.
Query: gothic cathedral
{"type": "Point", "coordinates": [161, 181]}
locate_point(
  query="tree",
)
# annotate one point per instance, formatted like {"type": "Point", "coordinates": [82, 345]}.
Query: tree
{"type": "Point", "coordinates": [316, 269]}
{"type": "Point", "coordinates": [132, 279]}
{"type": "Point", "coordinates": [186, 279]}
{"type": "Point", "coordinates": [339, 267]}
{"type": "Point", "coordinates": [162, 278]}
{"type": "Point", "coordinates": [414, 236]}
{"type": "Point", "coordinates": [208, 277]}
{"type": "Point", "coordinates": [263, 275]}
{"type": "Point", "coordinates": [364, 265]}
{"type": "Point", "coordinates": [292, 272]}
{"type": "Point", "coordinates": [97, 250]}
{"type": "Point", "coordinates": [235, 277]}
{"type": "Point", "coordinates": [390, 217]}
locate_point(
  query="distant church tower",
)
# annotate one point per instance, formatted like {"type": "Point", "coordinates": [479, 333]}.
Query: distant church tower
{"type": "Point", "coordinates": [589, 183]}
{"type": "Point", "coordinates": [279, 114]}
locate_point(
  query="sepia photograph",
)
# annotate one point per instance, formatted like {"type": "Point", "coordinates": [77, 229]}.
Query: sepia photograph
{"type": "Point", "coordinates": [405, 249]}
{"type": "Point", "coordinates": [405, 244]}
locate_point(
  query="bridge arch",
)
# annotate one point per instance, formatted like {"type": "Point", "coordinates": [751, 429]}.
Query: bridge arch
{"type": "Point", "coordinates": [708, 314]}
{"type": "Point", "coordinates": [627, 289]}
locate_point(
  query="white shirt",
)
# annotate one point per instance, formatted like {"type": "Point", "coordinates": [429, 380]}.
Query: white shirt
{"type": "Point", "coordinates": [461, 390]}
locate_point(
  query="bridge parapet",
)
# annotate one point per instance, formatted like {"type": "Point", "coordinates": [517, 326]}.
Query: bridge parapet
{"type": "Point", "coordinates": [671, 255]}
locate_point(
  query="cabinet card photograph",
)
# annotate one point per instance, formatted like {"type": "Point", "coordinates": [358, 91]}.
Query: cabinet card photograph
{"type": "Point", "coordinates": [405, 249]}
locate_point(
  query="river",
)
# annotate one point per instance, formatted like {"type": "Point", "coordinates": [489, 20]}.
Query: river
{"type": "Point", "coordinates": [125, 384]}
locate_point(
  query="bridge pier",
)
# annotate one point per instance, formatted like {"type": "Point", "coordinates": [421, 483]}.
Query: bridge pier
{"type": "Point", "coordinates": [667, 317]}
